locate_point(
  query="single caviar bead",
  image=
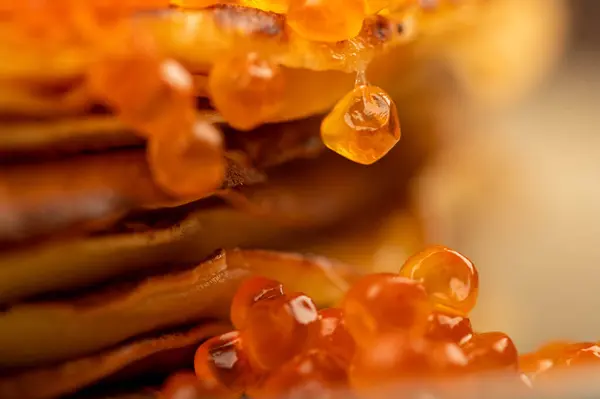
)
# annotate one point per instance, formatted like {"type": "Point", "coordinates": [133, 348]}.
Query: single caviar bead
{"type": "Point", "coordinates": [384, 302]}
{"type": "Point", "coordinates": [491, 351]}
{"type": "Point", "coordinates": [450, 279]}
{"type": "Point", "coordinates": [277, 329]}
{"type": "Point", "coordinates": [148, 92]}
{"type": "Point", "coordinates": [363, 126]}
{"type": "Point", "coordinates": [251, 291]}
{"type": "Point", "coordinates": [443, 326]}
{"type": "Point", "coordinates": [399, 357]}
{"type": "Point", "coordinates": [122, 81]}
{"type": "Point", "coordinates": [247, 91]}
{"type": "Point", "coordinates": [326, 20]}
{"type": "Point", "coordinates": [330, 334]}
{"type": "Point", "coordinates": [313, 374]}
{"type": "Point", "coordinates": [183, 385]}
{"type": "Point", "coordinates": [222, 366]}
{"type": "Point", "coordinates": [187, 161]}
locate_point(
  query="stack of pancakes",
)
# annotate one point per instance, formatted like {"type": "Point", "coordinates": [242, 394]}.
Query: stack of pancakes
{"type": "Point", "coordinates": [108, 282]}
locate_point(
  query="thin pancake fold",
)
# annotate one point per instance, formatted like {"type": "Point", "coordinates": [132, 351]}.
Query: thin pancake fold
{"type": "Point", "coordinates": [34, 333]}
{"type": "Point", "coordinates": [78, 193]}
{"type": "Point", "coordinates": [129, 360]}
{"type": "Point", "coordinates": [298, 200]}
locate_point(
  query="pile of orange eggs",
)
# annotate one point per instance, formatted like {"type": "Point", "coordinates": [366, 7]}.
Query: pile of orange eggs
{"type": "Point", "coordinates": [389, 329]}
{"type": "Point", "coordinates": [408, 330]}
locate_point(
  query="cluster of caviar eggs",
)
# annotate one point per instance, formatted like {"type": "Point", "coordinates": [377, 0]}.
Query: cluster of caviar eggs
{"type": "Point", "coordinates": [249, 90]}
{"type": "Point", "coordinates": [389, 329]}
{"type": "Point", "coordinates": [156, 95]}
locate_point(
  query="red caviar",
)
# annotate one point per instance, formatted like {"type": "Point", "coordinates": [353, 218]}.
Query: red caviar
{"type": "Point", "coordinates": [387, 331]}
{"type": "Point", "coordinates": [449, 278]}
{"type": "Point", "coordinates": [278, 329]}
{"type": "Point", "coordinates": [384, 302]}
{"type": "Point", "coordinates": [444, 326]}
{"type": "Point", "coordinates": [251, 291]}
{"type": "Point", "coordinates": [223, 367]}
{"type": "Point", "coordinates": [309, 375]}
{"type": "Point", "coordinates": [491, 351]}
{"type": "Point", "coordinates": [330, 334]}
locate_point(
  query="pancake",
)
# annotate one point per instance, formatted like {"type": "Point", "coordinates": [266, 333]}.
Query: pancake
{"type": "Point", "coordinates": [110, 276]}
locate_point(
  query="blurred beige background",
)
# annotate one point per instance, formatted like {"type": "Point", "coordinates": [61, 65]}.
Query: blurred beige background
{"type": "Point", "coordinates": [520, 195]}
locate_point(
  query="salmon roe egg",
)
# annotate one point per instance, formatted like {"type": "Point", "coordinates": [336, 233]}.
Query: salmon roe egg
{"type": "Point", "coordinates": [326, 20]}
{"type": "Point", "coordinates": [330, 334]}
{"type": "Point", "coordinates": [149, 93]}
{"type": "Point", "coordinates": [491, 351]}
{"type": "Point", "coordinates": [396, 357]}
{"type": "Point", "coordinates": [251, 291]}
{"type": "Point", "coordinates": [384, 302]}
{"type": "Point", "coordinates": [187, 161]}
{"type": "Point", "coordinates": [222, 366]}
{"type": "Point", "coordinates": [443, 326]}
{"type": "Point", "coordinates": [278, 329]}
{"type": "Point", "coordinates": [247, 91]}
{"type": "Point", "coordinates": [363, 126]}
{"type": "Point", "coordinates": [313, 374]}
{"type": "Point", "coordinates": [450, 279]}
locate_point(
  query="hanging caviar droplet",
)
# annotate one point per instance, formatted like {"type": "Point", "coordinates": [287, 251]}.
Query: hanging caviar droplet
{"type": "Point", "coordinates": [222, 367]}
{"type": "Point", "coordinates": [363, 126]}
{"type": "Point", "coordinates": [326, 20]}
{"type": "Point", "coordinates": [251, 291]}
{"type": "Point", "coordinates": [247, 91]}
{"type": "Point", "coordinates": [450, 279]}
{"type": "Point", "coordinates": [187, 162]}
